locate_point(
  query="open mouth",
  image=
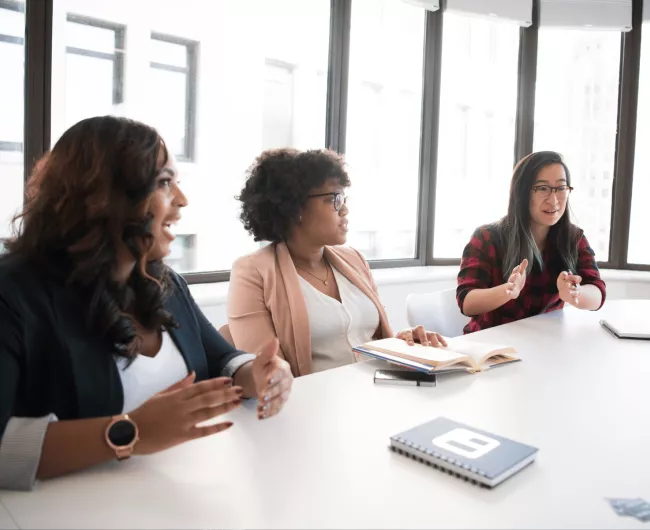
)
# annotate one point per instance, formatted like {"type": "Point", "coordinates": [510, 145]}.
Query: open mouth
{"type": "Point", "coordinates": [550, 212]}
{"type": "Point", "coordinates": [168, 230]}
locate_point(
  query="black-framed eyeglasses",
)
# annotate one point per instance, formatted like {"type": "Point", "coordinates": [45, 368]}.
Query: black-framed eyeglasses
{"type": "Point", "coordinates": [338, 198]}
{"type": "Point", "coordinates": [543, 190]}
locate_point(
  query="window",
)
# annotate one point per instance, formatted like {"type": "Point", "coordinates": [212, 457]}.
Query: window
{"type": "Point", "coordinates": [173, 81]}
{"type": "Point", "coordinates": [209, 76]}
{"type": "Point", "coordinates": [12, 58]}
{"type": "Point", "coordinates": [94, 68]}
{"type": "Point", "coordinates": [383, 126]}
{"type": "Point", "coordinates": [277, 121]}
{"type": "Point", "coordinates": [576, 114]}
{"type": "Point", "coordinates": [638, 248]}
{"type": "Point", "coordinates": [477, 127]}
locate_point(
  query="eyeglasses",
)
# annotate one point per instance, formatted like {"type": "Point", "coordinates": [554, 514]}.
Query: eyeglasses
{"type": "Point", "coordinates": [544, 191]}
{"type": "Point", "coordinates": [338, 199]}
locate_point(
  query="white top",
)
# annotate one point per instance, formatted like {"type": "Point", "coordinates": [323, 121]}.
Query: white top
{"type": "Point", "coordinates": [579, 394]}
{"type": "Point", "coordinates": [336, 327]}
{"type": "Point", "coordinates": [147, 376]}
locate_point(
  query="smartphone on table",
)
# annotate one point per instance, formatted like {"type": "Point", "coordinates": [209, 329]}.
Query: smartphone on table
{"type": "Point", "coordinates": [404, 377]}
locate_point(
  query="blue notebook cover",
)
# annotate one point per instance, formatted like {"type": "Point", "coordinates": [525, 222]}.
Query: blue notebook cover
{"type": "Point", "coordinates": [471, 453]}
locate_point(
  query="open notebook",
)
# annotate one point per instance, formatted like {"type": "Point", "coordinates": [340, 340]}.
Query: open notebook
{"type": "Point", "coordinates": [459, 355]}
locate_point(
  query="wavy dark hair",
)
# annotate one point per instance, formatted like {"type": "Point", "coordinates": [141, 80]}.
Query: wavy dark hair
{"type": "Point", "coordinates": [85, 199]}
{"type": "Point", "coordinates": [277, 186]}
{"type": "Point", "coordinates": [514, 229]}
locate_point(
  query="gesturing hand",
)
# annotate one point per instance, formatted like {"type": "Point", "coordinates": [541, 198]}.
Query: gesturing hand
{"type": "Point", "coordinates": [273, 380]}
{"type": "Point", "coordinates": [517, 280]}
{"type": "Point", "coordinates": [170, 417]}
{"type": "Point", "coordinates": [568, 285]}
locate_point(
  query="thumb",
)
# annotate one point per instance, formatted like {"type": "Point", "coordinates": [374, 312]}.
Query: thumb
{"type": "Point", "coordinates": [269, 351]}
{"type": "Point", "coordinates": [183, 383]}
{"type": "Point", "coordinates": [524, 265]}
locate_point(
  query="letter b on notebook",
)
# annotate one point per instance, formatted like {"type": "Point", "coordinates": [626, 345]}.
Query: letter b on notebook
{"type": "Point", "coordinates": [466, 443]}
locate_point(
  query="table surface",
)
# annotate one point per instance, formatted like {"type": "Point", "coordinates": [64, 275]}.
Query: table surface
{"type": "Point", "coordinates": [579, 394]}
{"type": "Point", "coordinates": [6, 522]}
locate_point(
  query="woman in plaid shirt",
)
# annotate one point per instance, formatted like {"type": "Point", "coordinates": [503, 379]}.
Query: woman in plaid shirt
{"type": "Point", "coordinates": [534, 260]}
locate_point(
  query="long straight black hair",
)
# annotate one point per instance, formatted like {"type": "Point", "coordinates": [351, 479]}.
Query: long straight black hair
{"type": "Point", "coordinates": [514, 229]}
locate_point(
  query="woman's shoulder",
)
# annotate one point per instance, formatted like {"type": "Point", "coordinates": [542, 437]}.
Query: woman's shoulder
{"type": "Point", "coordinates": [260, 259]}
{"type": "Point", "coordinates": [349, 254]}
{"type": "Point", "coordinates": [18, 274]}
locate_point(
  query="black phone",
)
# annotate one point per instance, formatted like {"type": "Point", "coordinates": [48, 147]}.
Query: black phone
{"type": "Point", "coordinates": [404, 377]}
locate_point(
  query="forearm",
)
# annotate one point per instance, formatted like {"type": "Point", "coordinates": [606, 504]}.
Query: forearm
{"type": "Point", "coordinates": [244, 378]}
{"type": "Point", "coordinates": [74, 445]}
{"type": "Point", "coordinates": [481, 301]}
{"type": "Point", "coordinates": [590, 298]}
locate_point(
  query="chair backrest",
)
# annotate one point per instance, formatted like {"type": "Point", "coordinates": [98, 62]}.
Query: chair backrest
{"type": "Point", "coordinates": [224, 331]}
{"type": "Point", "coordinates": [436, 312]}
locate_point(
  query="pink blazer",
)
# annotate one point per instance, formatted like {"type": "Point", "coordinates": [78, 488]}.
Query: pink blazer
{"type": "Point", "coordinates": [265, 300]}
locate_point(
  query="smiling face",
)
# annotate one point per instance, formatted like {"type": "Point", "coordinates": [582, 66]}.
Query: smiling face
{"type": "Point", "coordinates": [165, 205]}
{"type": "Point", "coordinates": [547, 206]}
{"type": "Point", "coordinates": [321, 224]}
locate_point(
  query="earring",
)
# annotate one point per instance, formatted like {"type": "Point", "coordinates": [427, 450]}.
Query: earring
{"type": "Point", "coordinates": [300, 219]}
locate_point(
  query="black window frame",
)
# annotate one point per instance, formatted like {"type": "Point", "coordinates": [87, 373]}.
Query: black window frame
{"type": "Point", "coordinates": [38, 43]}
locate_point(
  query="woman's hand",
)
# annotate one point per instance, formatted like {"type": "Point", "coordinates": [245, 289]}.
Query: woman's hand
{"type": "Point", "coordinates": [419, 334]}
{"type": "Point", "coordinates": [273, 380]}
{"type": "Point", "coordinates": [170, 417]}
{"type": "Point", "coordinates": [517, 280]}
{"type": "Point", "coordinates": [568, 285]}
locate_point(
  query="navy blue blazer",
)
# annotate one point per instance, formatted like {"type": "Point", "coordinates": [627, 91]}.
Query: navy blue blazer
{"type": "Point", "coordinates": [50, 362]}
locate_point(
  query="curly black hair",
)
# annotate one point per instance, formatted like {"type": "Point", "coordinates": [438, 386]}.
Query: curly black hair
{"type": "Point", "coordinates": [277, 186]}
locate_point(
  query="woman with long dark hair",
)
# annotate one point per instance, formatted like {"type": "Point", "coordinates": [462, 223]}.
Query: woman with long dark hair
{"type": "Point", "coordinates": [103, 351]}
{"type": "Point", "coordinates": [535, 259]}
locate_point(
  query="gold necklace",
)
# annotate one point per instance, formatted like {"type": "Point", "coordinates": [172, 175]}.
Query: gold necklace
{"type": "Point", "coordinates": [327, 273]}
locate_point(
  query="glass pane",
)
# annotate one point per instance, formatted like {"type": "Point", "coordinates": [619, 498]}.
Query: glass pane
{"type": "Point", "coordinates": [89, 87]}
{"type": "Point", "coordinates": [477, 128]}
{"type": "Point", "coordinates": [237, 41]}
{"type": "Point", "coordinates": [575, 114]}
{"type": "Point", "coordinates": [383, 126]}
{"type": "Point", "coordinates": [87, 37]}
{"type": "Point", "coordinates": [170, 93]}
{"type": "Point", "coordinates": [168, 53]}
{"type": "Point", "coordinates": [277, 128]}
{"type": "Point", "coordinates": [12, 60]}
{"type": "Point", "coordinates": [638, 248]}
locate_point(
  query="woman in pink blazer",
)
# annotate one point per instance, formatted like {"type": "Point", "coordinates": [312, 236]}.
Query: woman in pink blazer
{"type": "Point", "coordinates": [316, 296]}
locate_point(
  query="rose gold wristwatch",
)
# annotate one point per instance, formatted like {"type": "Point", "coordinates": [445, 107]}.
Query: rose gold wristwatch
{"type": "Point", "coordinates": [122, 435]}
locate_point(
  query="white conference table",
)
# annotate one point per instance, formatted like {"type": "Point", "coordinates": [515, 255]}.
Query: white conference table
{"type": "Point", "coordinates": [579, 394]}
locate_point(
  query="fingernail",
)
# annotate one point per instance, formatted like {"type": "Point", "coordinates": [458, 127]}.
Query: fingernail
{"type": "Point", "coordinates": [229, 424]}
{"type": "Point", "coordinates": [411, 343]}
{"type": "Point", "coordinates": [273, 381]}
{"type": "Point", "coordinates": [265, 407]}
{"type": "Point", "coordinates": [239, 391]}
{"type": "Point", "coordinates": [267, 398]}
{"type": "Point", "coordinates": [237, 402]}
{"type": "Point", "coordinates": [427, 343]}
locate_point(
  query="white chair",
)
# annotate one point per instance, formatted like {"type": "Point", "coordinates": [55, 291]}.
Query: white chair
{"type": "Point", "coordinates": [436, 312]}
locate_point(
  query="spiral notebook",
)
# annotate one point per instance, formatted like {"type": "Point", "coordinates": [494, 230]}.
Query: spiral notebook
{"type": "Point", "coordinates": [468, 453]}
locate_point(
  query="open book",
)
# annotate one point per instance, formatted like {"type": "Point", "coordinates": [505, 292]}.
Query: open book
{"type": "Point", "coordinates": [459, 354]}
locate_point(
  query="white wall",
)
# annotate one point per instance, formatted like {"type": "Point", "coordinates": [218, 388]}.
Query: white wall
{"type": "Point", "coordinates": [396, 284]}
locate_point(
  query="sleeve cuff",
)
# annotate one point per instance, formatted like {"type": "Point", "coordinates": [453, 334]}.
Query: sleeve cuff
{"type": "Point", "coordinates": [20, 451]}
{"type": "Point", "coordinates": [236, 363]}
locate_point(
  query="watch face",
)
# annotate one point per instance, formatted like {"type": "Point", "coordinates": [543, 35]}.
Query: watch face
{"type": "Point", "coordinates": [121, 433]}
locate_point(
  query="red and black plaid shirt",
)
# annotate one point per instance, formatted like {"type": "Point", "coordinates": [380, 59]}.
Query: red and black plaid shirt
{"type": "Point", "coordinates": [480, 268]}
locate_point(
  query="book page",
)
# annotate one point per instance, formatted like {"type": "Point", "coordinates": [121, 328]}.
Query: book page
{"type": "Point", "coordinates": [478, 351]}
{"type": "Point", "coordinates": [427, 354]}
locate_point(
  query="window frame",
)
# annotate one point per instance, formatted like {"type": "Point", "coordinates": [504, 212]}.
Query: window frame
{"type": "Point", "coordinates": [190, 72]}
{"type": "Point", "coordinates": [38, 43]}
{"type": "Point", "coordinates": [117, 57]}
